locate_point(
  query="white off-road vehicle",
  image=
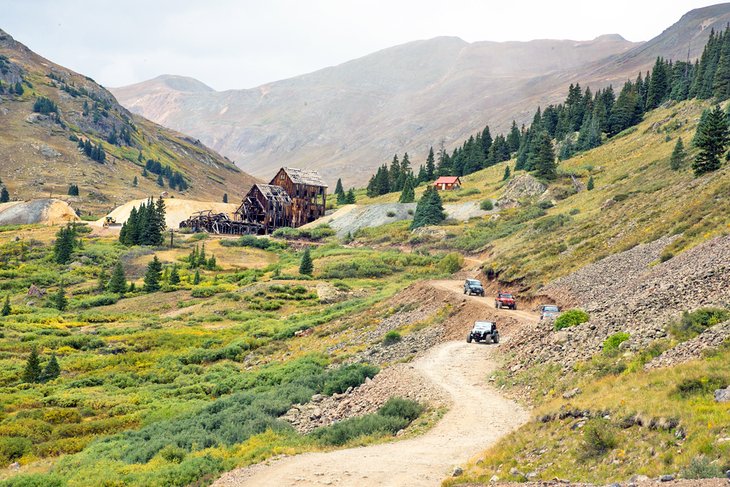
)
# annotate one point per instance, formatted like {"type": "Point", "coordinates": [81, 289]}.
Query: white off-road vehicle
{"type": "Point", "coordinates": [483, 331]}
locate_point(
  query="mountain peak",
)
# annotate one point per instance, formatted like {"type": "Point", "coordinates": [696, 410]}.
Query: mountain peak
{"type": "Point", "coordinates": [182, 83]}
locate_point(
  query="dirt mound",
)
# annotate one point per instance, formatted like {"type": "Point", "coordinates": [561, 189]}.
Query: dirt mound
{"type": "Point", "coordinates": [625, 293]}
{"type": "Point", "coordinates": [176, 210]}
{"type": "Point", "coordinates": [43, 211]}
{"type": "Point", "coordinates": [351, 218]}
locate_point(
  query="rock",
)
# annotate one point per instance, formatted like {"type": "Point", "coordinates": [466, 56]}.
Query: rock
{"type": "Point", "coordinates": [722, 395]}
{"type": "Point", "coordinates": [14, 466]}
{"type": "Point", "coordinates": [457, 471]}
{"type": "Point", "coordinates": [520, 188]}
{"type": "Point", "coordinates": [317, 398]}
{"type": "Point", "coordinates": [666, 478]}
{"type": "Point", "coordinates": [571, 393]}
{"type": "Point", "coordinates": [639, 478]}
{"type": "Point", "coordinates": [494, 479]}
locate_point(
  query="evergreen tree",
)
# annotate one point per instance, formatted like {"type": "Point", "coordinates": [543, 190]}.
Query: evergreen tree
{"type": "Point", "coordinates": [430, 168]}
{"type": "Point", "coordinates": [658, 85]}
{"type": "Point", "coordinates": [118, 281]}
{"type": "Point", "coordinates": [513, 139]}
{"type": "Point", "coordinates": [422, 175]}
{"type": "Point", "coordinates": [144, 173]}
{"type": "Point", "coordinates": [4, 195]}
{"type": "Point", "coordinates": [196, 277]}
{"type": "Point", "coordinates": [51, 371]}
{"type": "Point", "coordinates": [545, 163]}
{"type": "Point", "coordinates": [73, 190]}
{"type": "Point", "coordinates": [153, 276]}
{"type": "Point", "coordinates": [160, 181]}
{"type": "Point", "coordinates": [101, 282]}
{"type": "Point", "coordinates": [59, 300]}
{"type": "Point", "coordinates": [712, 141]}
{"type": "Point", "coordinates": [408, 195]}
{"type": "Point", "coordinates": [135, 182]}
{"type": "Point", "coordinates": [64, 244]}
{"type": "Point", "coordinates": [19, 88]}
{"type": "Point", "coordinates": [174, 277]}
{"type": "Point", "coordinates": [211, 264]}
{"type": "Point", "coordinates": [429, 210]}
{"type": "Point", "coordinates": [32, 372]}
{"type": "Point", "coordinates": [350, 197]}
{"type": "Point", "coordinates": [591, 184]}
{"type": "Point", "coordinates": [338, 187]}
{"type": "Point", "coordinates": [506, 173]}
{"type": "Point", "coordinates": [225, 197]}
{"type": "Point", "coordinates": [678, 155]}
{"type": "Point", "coordinates": [306, 267]}
{"type": "Point", "coordinates": [6, 307]}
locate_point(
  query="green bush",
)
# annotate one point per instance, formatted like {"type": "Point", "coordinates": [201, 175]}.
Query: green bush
{"type": "Point", "coordinates": [401, 408]}
{"type": "Point", "coordinates": [550, 223]}
{"type": "Point", "coordinates": [572, 317]}
{"type": "Point", "coordinates": [391, 337]}
{"type": "Point", "coordinates": [13, 447]}
{"type": "Point", "coordinates": [692, 324]}
{"type": "Point", "coordinates": [701, 468]}
{"type": "Point", "coordinates": [34, 480]}
{"type": "Point", "coordinates": [487, 205]}
{"type": "Point", "coordinates": [703, 385]}
{"type": "Point", "coordinates": [348, 376]}
{"type": "Point", "coordinates": [451, 262]}
{"type": "Point", "coordinates": [318, 233]}
{"type": "Point", "coordinates": [254, 242]}
{"type": "Point", "coordinates": [204, 291]}
{"type": "Point", "coordinates": [599, 437]}
{"type": "Point", "coordinates": [611, 344]}
{"type": "Point", "coordinates": [94, 301]}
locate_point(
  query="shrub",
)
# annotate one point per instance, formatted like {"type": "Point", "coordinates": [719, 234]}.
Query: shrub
{"type": "Point", "coordinates": [703, 385]}
{"type": "Point", "coordinates": [598, 437]}
{"type": "Point", "coordinates": [701, 468]}
{"type": "Point", "coordinates": [13, 447]}
{"type": "Point", "coordinates": [390, 214]}
{"type": "Point", "coordinates": [254, 242]}
{"type": "Point", "coordinates": [451, 263]}
{"type": "Point", "coordinates": [487, 205]}
{"type": "Point", "coordinates": [348, 376]}
{"type": "Point", "coordinates": [204, 291]}
{"type": "Point", "coordinates": [572, 317]}
{"type": "Point", "coordinates": [391, 337]}
{"type": "Point", "coordinates": [34, 480]}
{"type": "Point", "coordinates": [401, 408]}
{"type": "Point", "coordinates": [692, 324]}
{"type": "Point", "coordinates": [610, 346]}
{"type": "Point", "coordinates": [550, 223]}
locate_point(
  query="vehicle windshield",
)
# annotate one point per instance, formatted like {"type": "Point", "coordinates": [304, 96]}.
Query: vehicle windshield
{"type": "Point", "coordinates": [483, 325]}
{"type": "Point", "coordinates": [473, 282]}
{"type": "Point", "coordinates": [505, 295]}
{"type": "Point", "coordinates": [551, 308]}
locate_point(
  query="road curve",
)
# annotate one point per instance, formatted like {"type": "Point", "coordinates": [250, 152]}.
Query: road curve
{"type": "Point", "coordinates": [477, 418]}
{"type": "Point", "coordinates": [458, 288]}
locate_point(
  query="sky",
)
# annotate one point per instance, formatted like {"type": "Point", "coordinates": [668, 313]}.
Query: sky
{"type": "Point", "coordinates": [230, 44]}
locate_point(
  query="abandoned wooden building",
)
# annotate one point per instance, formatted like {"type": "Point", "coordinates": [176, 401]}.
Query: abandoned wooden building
{"type": "Point", "coordinates": [267, 204]}
{"type": "Point", "coordinates": [308, 193]}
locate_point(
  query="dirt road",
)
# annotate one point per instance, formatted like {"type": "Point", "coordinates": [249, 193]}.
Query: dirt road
{"type": "Point", "coordinates": [477, 418]}
{"type": "Point", "coordinates": [458, 287]}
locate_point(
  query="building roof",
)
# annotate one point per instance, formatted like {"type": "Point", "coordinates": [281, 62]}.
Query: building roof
{"type": "Point", "coordinates": [447, 180]}
{"type": "Point", "coordinates": [273, 192]}
{"type": "Point", "coordinates": [309, 177]}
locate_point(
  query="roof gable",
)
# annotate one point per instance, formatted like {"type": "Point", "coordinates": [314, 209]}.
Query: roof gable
{"type": "Point", "coordinates": [447, 180]}
{"type": "Point", "coordinates": [309, 177]}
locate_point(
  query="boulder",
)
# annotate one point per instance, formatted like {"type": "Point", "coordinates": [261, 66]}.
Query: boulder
{"type": "Point", "coordinates": [722, 395]}
{"type": "Point", "coordinates": [520, 188]}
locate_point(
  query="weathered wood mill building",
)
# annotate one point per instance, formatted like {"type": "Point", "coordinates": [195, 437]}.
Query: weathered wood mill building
{"type": "Point", "coordinates": [294, 198]}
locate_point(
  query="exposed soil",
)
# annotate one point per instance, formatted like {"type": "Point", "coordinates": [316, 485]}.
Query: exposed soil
{"type": "Point", "coordinates": [176, 210]}
{"type": "Point", "coordinates": [42, 211]}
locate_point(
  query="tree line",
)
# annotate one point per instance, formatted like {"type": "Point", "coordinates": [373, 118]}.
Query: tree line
{"type": "Point", "coordinates": [145, 225]}
{"type": "Point", "coordinates": [175, 179]}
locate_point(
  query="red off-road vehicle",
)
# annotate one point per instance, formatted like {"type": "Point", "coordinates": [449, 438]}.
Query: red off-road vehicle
{"type": "Point", "coordinates": [505, 300]}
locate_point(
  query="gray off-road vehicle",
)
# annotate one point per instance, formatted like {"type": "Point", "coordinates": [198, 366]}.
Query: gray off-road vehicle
{"type": "Point", "coordinates": [473, 286]}
{"type": "Point", "coordinates": [483, 331]}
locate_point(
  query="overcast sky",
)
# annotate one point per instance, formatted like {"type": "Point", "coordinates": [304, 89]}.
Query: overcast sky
{"type": "Point", "coordinates": [244, 43]}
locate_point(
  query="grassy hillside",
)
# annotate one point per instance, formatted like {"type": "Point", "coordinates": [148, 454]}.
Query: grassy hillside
{"type": "Point", "coordinates": [637, 198]}
{"type": "Point", "coordinates": [39, 154]}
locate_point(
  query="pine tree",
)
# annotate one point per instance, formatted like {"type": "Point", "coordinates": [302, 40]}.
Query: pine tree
{"type": "Point", "coordinates": [545, 163]}
{"type": "Point", "coordinates": [340, 192]}
{"type": "Point", "coordinates": [712, 141]}
{"type": "Point", "coordinates": [73, 190]}
{"type": "Point", "coordinates": [135, 182]}
{"type": "Point", "coordinates": [102, 281]}
{"type": "Point", "coordinates": [306, 267]}
{"type": "Point", "coordinates": [51, 371]}
{"type": "Point", "coordinates": [153, 276]}
{"type": "Point", "coordinates": [513, 139]}
{"type": "Point", "coordinates": [429, 210]}
{"type": "Point", "coordinates": [350, 197]}
{"type": "Point", "coordinates": [196, 277]}
{"type": "Point", "coordinates": [118, 281]}
{"type": "Point", "coordinates": [4, 195]}
{"type": "Point", "coordinates": [59, 300]}
{"type": "Point", "coordinates": [174, 277]}
{"type": "Point", "coordinates": [408, 195]}
{"type": "Point", "coordinates": [64, 245]}
{"type": "Point", "coordinates": [591, 184]}
{"type": "Point", "coordinates": [506, 173]}
{"type": "Point", "coordinates": [430, 168]}
{"type": "Point", "coordinates": [225, 197]}
{"type": "Point", "coordinates": [160, 181]}
{"type": "Point", "coordinates": [211, 264]}
{"type": "Point", "coordinates": [6, 307]}
{"type": "Point", "coordinates": [678, 155]}
{"type": "Point", "coordinates": [32, 372]}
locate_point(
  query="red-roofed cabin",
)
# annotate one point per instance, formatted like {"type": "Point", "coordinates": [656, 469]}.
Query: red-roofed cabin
{"type": "Point", "coordinates": [447, 183]}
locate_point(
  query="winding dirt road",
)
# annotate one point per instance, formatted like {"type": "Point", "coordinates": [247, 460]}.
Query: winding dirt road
{"type": "Point", "coordinates": [477, 418]}
{"type": "Point", "coordinates": [458, 288]}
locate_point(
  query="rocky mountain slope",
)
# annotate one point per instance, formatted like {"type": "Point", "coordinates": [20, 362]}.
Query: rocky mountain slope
{"type": "Point", "coordinates": [348, 119]}
{"type": "Point", "coordinates": [48, 111]}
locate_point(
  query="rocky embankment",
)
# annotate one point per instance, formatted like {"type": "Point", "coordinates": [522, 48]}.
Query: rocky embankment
{"type": "Point", "coordinates": [631, 292]}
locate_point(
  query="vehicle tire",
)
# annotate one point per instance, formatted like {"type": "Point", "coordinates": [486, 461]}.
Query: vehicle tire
{"type": "Point", "coordinates": [464, 291]}
{"type": "Point", "coordinates": [468, 338]}
{"type": "Point", "coordinates": [495, 338]}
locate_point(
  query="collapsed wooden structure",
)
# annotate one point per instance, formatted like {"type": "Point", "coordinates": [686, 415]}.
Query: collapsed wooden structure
{"type": "Point", "coordinates": [294, 198]}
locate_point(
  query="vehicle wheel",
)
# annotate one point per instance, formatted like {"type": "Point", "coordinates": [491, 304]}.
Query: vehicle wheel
{"type": "Point", "coordinates": [495, 338]}
{"type": "Point", "coordinates": [464, 291]}
{"type": "Point", "coordinates": [468, 338]}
